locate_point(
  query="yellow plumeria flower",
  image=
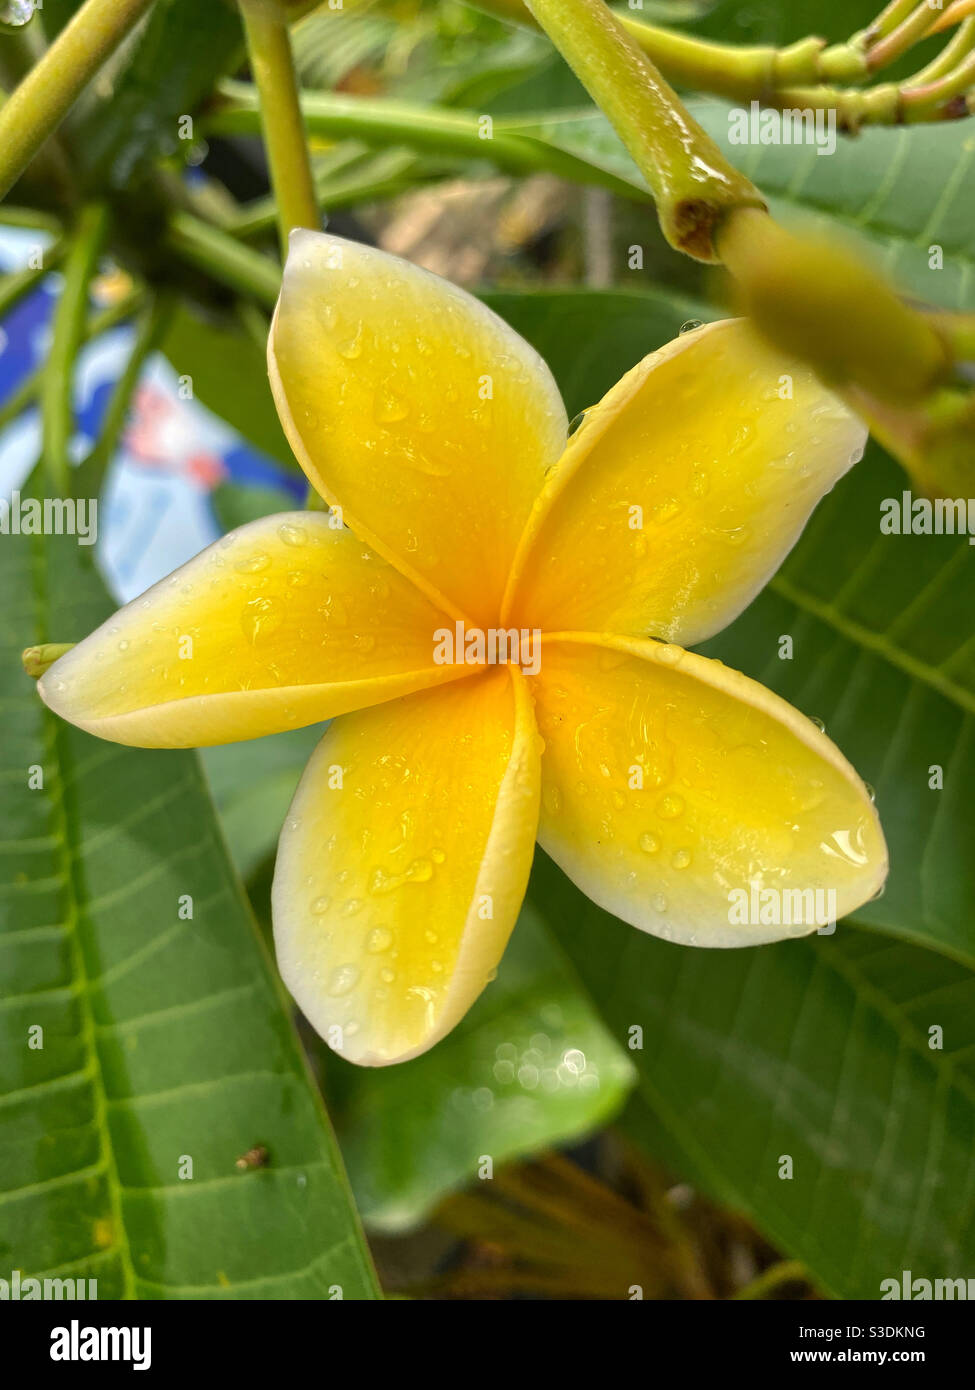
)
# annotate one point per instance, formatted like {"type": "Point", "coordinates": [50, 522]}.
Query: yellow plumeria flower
{"type": "Point", "coordinates": [662, 782]}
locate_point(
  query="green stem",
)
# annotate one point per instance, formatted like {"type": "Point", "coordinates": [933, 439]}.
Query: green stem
{"type": "Point", "coordinates": [31, 218]}
{"type": "Point", "coordinates": [384, 175]}
{"type": "Point", "coordinates": [28, 389]}
{"type": "Point", "coordinates": [18, 283]}
{"type": "Point", "coordinates": [224, 259]}
{"type": "Point", "coordinates": [785, 1272]}
{"type": "Point", "coordinates": [730, 70]}
{"type": "Point", "coordinates": [39, 104]}
{"type": "Point", "coordinates": [889, 18]}
{"type": "Point", "coordinates": [895, 44]}
{"type": "Point", "coordinates": [69, 322]}
{"type": "Point", "coordinates": [938, 97]}
{"type": "Point", "coordinates": [151, 326]}
{"type": "Point", "coordinates": [439, 130]}
{"type": "Point", "coordinates": [693, 184]}
{"type": "Point", "coordinates": [958, 47]}
{"type": "Point", "coordinates": [271, 61]}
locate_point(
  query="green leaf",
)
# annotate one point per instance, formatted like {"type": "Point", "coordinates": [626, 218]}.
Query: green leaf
{"type": "Point", "coordinates": [817, 1050]}
{"type": "Point", "coordinates": [228, 371]}
{"type": "Point", "coordinates": [159, 78]}
{"type": "Point", "coordinates": [531, 1066]}
{"type": "Point", "coordinates": [589, 338]}
{"type": "Point", "coordinates": [164, 1038]}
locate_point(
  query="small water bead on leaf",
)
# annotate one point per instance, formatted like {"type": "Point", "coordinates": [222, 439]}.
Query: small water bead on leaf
{"type": "Point", "coordinates": [577, 421]}
{"type": "Point", "coordinates": [691, 326]}
{"type": "Point", "coordinates": [379, 939]}
{"type": "Point", "coordinates": [649, 843]}
{"type": "Point", "coordinates": [681, 859]}
{"type": "Point", "coordinates": [820, 724]}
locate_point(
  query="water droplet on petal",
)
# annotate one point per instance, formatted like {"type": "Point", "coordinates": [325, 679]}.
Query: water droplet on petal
{"type": "Point", "coordinates": [343, 980]}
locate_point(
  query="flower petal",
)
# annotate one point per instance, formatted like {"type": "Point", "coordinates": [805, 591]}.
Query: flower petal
{"type": "Point", "coordinates": [403, 863]}
{"type": "Point", "coordinates": [670, 782]}
{"type": "Point", "coordinates": [417, 410]}
{"type": "Point", "coordinates": [284, 622]}
{"type": "Point", "coordinates": [683, 491]}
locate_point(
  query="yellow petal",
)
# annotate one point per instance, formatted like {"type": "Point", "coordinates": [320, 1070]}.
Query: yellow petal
{"type": "Point", "coordinates": [283, 622]}
{"type": "Point", "coordinates": [682, 491]}
{"type": "Point", "coordinates": [670, 783]}
{"type": "Point", "coordinates": [417, 410]}
{"type": "Point", "coordinates": [403, 863]}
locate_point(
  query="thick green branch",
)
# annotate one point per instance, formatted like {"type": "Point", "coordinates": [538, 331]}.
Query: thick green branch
{"type": "Point", "coordinates": [693, 184]}
{"type": "Point", "coordinates": [271, 61]}
{"type": "Point", "coordinates": [37, 107]}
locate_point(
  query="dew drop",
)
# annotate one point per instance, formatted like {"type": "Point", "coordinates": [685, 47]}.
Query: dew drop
{"type": "Point", "coordinates": [352, 348]}
{"type": "Point", "coordinates": [320, 906]}
{"type": "Point", "coordinates": [293, 535]}
{"type": "Point", "coordinates": [691, 326]}
{"type": "Point", "coordinates": [343, 980]}
{"type": "Point", "coordinates": [659, 902]}
{"type": "Point", "coordinates": [681, 858]}
{"type": "Point", "coordinates": [649, 843]}
{"type": "Point", "coordinates": [16, 12]}
{"type": "Point", "coordinates": [671, 807]}
{"type": "Point", "coordinates": [379, 939]}
{"type": "Point", "coordinates": [253, 564]}
{"type": "Point", "coordinates": [261, 617]}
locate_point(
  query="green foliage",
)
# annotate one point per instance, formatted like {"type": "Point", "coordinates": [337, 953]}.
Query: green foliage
{"type": "Point", "coordinates": [164, 1035]}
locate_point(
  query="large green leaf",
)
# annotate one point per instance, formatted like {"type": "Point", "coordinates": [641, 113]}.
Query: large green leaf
{"type": "Point", "coordinates": [165, 1038]}
{"type": "Point", "coordinates": [818, 1051]}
